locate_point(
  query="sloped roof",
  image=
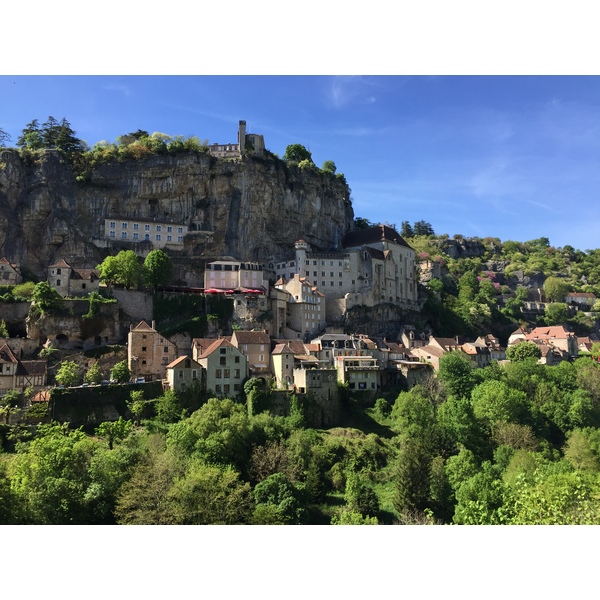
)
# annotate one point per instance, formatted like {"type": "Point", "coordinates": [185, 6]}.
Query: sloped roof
{"type": "Point", "coordinates": [221, 343]}
{"type": "Point", "coordinates": [60, 264]}
{"type": "Point", "coordinates": [282, 349]}
{"type": "Point", "coordinates": [143, 326]}
{"type": "Point", "coordinates": [86, 274]}
{"type": "Point", "coordinates": [182, 359]}
{"type": "Point", "coordinates": [251, 337]}
{"type": "Point", "coordinates": [6, 354]}
{"type": "Point", "coordinates": [554, 332]}
{"type": "Point", "coordinates": [201, 344]}
{"type": "Point", "coordinates": [373, 235]}
{"type": "Point", "coordinates": [32, 367]}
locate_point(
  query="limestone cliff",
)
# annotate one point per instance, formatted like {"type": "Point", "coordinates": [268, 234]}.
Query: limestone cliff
{"type": "Point", "coordinates": [252, 208]}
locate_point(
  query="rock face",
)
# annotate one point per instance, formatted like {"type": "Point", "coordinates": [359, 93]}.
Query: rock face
{"type": "Point", "coordinates": [252, 208]}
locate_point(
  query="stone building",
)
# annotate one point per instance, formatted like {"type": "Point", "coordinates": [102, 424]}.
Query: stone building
{"type": "Point", "coordinates": [18, 374]}
{"type": "Point", "coordinates": [185, 372]}
{"type": "Point", "coordinates": [148, 352]}
{"type": "Point", "coordinates": [159, 233]}
{"type": "Point", "coordinates": [226, 367]}
{"type": "Point", "coordinates": [245, 141]}
{"type": "Point", "coordinates": [10, 274]}
{"type": "Point", "coordinates": [69, 281]}
{"type": "Point", "coordinates": [234, 275]}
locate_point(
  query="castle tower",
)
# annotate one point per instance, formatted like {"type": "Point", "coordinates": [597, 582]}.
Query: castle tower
{"type": "Point", "coordinates": [242, 136]}
{"type": "Point", "coordinates": [301, 249]}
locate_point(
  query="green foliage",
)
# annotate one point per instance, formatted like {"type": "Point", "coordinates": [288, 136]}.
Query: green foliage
{"type": "Point", "coordinates": [94, 374]}
{"type": "Point", "coordinates": [522, 351]}
{"type": "Point", "coordinates": [456, 373]}
{"type": "Point", "coordinates": [329, 167]}
{"type": "Point", "coordinates": [158, 269]}
{"type": "Point", "coordinates": [297, 153]}
{"type": "Point", "coordinates": [555, 289]}
{"type": "Point", "coordinates": [282, 497]}
{"type": "Point", "coordinates": [3, 329]}
{"type": "Point", "coordinates": [114, 430]}
{"type": "Point", "coordinates": [168, 407]}
{"type": "Point", "coordinates": [120, 372]}
{"type": "Point", "coordinates": [45, 298]}
{"type": "Point", "coordinates": [556, 313]}
{"type": "Point", "coordinates": [24, 291]}
{"type": "Point", "coordinates": [123, 269]}
{"type": "Point", "coordinates": [68, 373]}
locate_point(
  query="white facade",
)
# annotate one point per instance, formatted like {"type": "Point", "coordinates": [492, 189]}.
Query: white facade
{"type": "Point", "coordinates": [234, 275]}
{"type": "Point", "coordinates": [158, 233]}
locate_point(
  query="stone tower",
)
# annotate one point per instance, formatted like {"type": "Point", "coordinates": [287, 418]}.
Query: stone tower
{"type": "Point", "coordinates": [242, 136]}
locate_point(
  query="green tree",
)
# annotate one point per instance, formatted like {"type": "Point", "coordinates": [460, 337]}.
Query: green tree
{"type": "Point", "coordinates": [283, 498]}
{"type": "Point", "coordinates": [406, 231]}
{"type": "Point", "coordinates": [24, 291]}
{"type": "Point", "coordinates": [329, 167]}
{"type": "Point", "coordinates": [46, 298]}
{"type": "Point", "coordinates": [158, 269]}
{"type": "Point", "coordinates": [456, 374]}
{"type": "Point", "coordinates": [362, 223]}
{"type": "Point", "coordinates": [93, 374]}
{"type": "Point", "coordinates": [412, 477]}
{"type": "Point", "coordinates": [556, 313]}
{"type": "Point", "coordinates": [8, 402]}
{"type": "Point", "coordinates": [113, 431]}
{"type": "Point", "coordinates": [31, 136]}
{"type": "Point", "coordinates": [423, 228]}
{"type": "Point", "coordinates": [120, 372]}
{"type": "Point", "coordinates": [4, 137]}
{"type": "Point", "coordinates": [3, 329]}
{"type": "Point", "coordinates": [556, 289]}
{"type": "Point", "coordinates": [136, 405]}
{"type": "Point", "coordinates": [124, 269]}
{"type": "Point", "coordinates": [522, 351]}
{"type": "Point", "coordinates": [210, 495]}
{"type": "Point", "coordinates": [297, 153]}
{"type": "Point", "coordinates": [68, 373]}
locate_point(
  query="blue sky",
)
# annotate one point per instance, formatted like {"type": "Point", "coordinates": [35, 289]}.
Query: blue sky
{"type": "Point", "coordinates": [515, 157]}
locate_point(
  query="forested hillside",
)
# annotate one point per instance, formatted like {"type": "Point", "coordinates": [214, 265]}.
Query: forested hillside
{"type": "Point", "coordinates": [506, 444]}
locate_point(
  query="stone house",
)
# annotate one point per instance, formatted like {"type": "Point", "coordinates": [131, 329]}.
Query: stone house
{"type": "Point", "coordinates": [10, 274]}
{"type": "Point", "coordinates": [585, 300]}
{"type": "Point", "coordinates": [256, 345]}
{"type": "Point", "coordinates": [290, 356]}
{"type": "Point", "coordinates": [185, 372]}
{"type": "Point", "coordinates": [226, 368]}
{"type": "Point", "coordinates": [305, 308]}
{"type": "Point", "coordinates": [245, 140]}
{"type": "Point", "coordinates": [359, 372]}
{"type": "Point", "coordinates": [18, 374]}
{"type": "Point", "coordinates": [158, 233]}
{"type": "Point", "coordinates": [148, 352]}
{"type": "Point", "coordinates": [234, 275]}
{"type": "Point", "coordinates": [558, 337]}
{"type": "Point", "coordinates": [68, 281]}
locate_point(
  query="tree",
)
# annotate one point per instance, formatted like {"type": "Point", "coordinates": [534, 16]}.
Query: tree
{"type": "Point", "coordinates": [120, 372]}
{"type": "Point", "coordinates": [31, 136]}
{"type": "Point", "coordinates": [555, 289]}
{"type": "Point", "coordinates": [4, 137]}
{"type": "Point", "coordinates": [8, 402]}
{"type": "Point", "coordinates": [278, 492]}
{"type": "Point", "coordinates": [50, 131]}
{"type": "Point", "coordinates": [136, 405]}
{"type": "Point", "coordinates": [93, 375]}
{"type": "Point", "coordinates": [297, 153]}
{"type": "Point", "coordinates": [114, 430]}
{"type": "Point", "coordinates": [46, 298]}
{"type": "Point", "coordinates": [157, 269]}
{"type": "Point", "coordinates": [456, 373]}
{"type": "Point", "coordinates": [362, 223]}
{"type": "Point", "coordinates": [423, 228]}
{"type": "Point", "coordinates": [556, 313]}
{"type": "Point", "coordinates": [406, 231]}
{"type": "Point", "coordinates": [68, 373]}
{"type": "Point", "coordinates": [3, 329]}
{"type": "Point", "coordinates": [123, 269]}
{"type": "Point", "coordinates": [65, 139]}
{"type": "Point", "coordinates": [522, 351]}
{"type": "Point", "coordinates": [329, 167]}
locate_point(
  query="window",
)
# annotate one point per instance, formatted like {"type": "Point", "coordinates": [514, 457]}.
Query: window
{"type": "Point", "coordinates": [136, 226]}
{"type": "Point", "coordinates": [226, 373]}
{"type": "Point", "coordinates": [146, 227]}
{"type": "Point", "coordinates": [226, 388]}
{"type": "Point", "coordinates": [180, 230]}
{"type": "Point", "coordinates": [222, 350]}
{"type": "Point", "coordinates": [166, 349]}
{"type": "Point", "coordinates": [180, 238]}
{"type": "Point", "coordinates": [112, 224]}
{"type": "Point", "coordinates": [58, 282]}
{"type": "Point", "coordinates": [340, 274]}
{"type": "Point", "coordinates": [236, 387]}
{"type": "Point", "coordinates": [123, 225]}
{"type": "Point", "coordinates": [340, 283]}
{"type": "Point", "coordinates": [218, 373]}
{"type": "Point", "coordinates": [223, 360]}
{"type": "Point", "coordinates": [169, 238]}
{"type": "Point", "coordinates": [143, 348]}
{"type": "Point", "coordinates": [322, 273]}
{"type": "Point", "coordinates": [136, 236]}
{"type": "Point", "coordinates": [236, 374]}
{"type": "Point", "coordinates": [124, 235]}
{"type": "Point", "coordinates": [169, 229]}
{"type": "Point", "coordinates": [218, 388]}
{"type": "Point", "coordinates": [194, 374]}
{"type": "Point", "coordinates": [180, 374]}
{"type": "Point", "coordinates": [236, 359]}
{"type": "Point", "coordinates": [112, 234]}
{"type": "Point", "coordinates": [158, 237]}
{"type": "Point", "coordinates": [314, 273]}
{"type": "Point", "coordinates": [158, 228]}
